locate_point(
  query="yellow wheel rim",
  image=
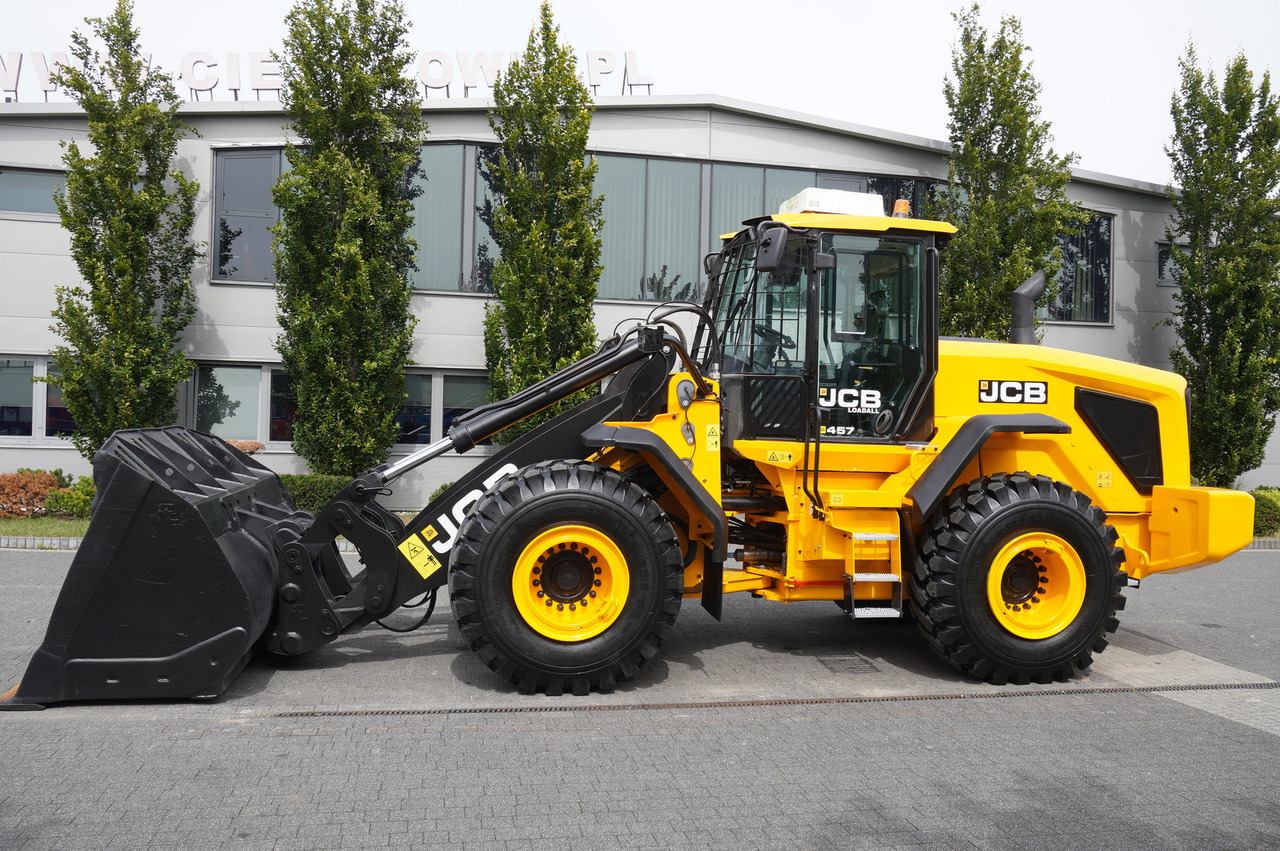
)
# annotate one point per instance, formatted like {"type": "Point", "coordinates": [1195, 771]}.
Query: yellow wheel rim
{"type": "Point", "coordinates": [1036, 585]}
{"type": "Point", "coordinates": [570, 583]}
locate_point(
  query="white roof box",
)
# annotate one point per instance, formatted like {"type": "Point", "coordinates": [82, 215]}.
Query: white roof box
{"type": "Point", "coordinates": [815, 200]}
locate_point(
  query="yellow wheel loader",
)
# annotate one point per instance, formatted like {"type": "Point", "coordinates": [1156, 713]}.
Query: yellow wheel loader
{"type": "Point", "coordinates": [814, 441]}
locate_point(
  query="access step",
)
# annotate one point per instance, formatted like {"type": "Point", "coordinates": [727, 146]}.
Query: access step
{"type": "Point", "coordinates": [892, 610]}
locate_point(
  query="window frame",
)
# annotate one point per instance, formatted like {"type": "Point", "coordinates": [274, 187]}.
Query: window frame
{"type": "Point", "coordinates": [1109, 322]}
{"type": "Point", "coordinates": [32, 215]}
{"type": "Point", "coordinates": [220, 156]}
{"type": "Point", "coordinates": [189, 395]}
{"type": "Point", "coordinates": [39, 436]}
{"type": "Point", "coordinates": [1163, 245]}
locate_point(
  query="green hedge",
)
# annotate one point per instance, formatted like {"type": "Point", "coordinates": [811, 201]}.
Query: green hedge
{"type": "Point", "coordinates": [1266, 512]}
{"type": "Point", "coordinates": [312, 492]}
{"type": "Point", "coordinates": [74, 501]}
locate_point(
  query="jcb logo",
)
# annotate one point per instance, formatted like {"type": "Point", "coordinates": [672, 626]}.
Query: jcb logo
{"type": "Point", "coordinates": [460, 509]}
{"type": "Point", "coordinates": [1018, 392]}
{"type": "Point", "coordinates": [853, 401]}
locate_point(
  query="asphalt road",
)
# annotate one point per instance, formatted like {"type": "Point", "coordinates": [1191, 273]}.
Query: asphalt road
{"type": "Point", "coordinates": [786, 727]}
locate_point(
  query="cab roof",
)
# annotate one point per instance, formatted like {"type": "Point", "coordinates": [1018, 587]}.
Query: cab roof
{"type": "Point", "coordinates": [841, 221]}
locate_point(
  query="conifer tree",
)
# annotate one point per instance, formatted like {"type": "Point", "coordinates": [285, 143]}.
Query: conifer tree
{"type": "Point", "coordinates": [546, 222]}
{"type": "Point", "coordinates": [343, 252]}
{"type": "Point", "coordinates": [1006, 187]}
{"type": "Point", "coordinates": [129, 214]}
{"type": "Point", "coordinates": [1225, 153]}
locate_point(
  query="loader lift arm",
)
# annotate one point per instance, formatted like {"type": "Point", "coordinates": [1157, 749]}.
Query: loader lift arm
{"type": "Point", "coordinates": [317, 603]}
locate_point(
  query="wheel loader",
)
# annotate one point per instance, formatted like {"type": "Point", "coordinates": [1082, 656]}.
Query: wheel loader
{"type": "Point", "coordinates": [815, 441]}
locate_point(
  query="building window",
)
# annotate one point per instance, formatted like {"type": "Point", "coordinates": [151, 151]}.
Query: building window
{"type": "Point", "coordinates": [651, 239]}
{"type": "Point", "coordinates": [1084, 284]}
{"type": "Point", "coordinates": [437, 219]}
{"type": "Point", "coordinates": [444, 393]}
{"type": "Point", "coordinates": [245, 213]}
{"type": "Point", "coordinates": [655, 224]}
{"type": "Point", "coordinates": [16, 395]}
{"type": "Point", "coordinates": [57, 419]}
{"type": "Point", "coordinates": [462, 393]}
{"type": "Point", "coordinates": [1167, 262]}
{"type": "Point", "coordinates": [31, 409]}
{"type": "Point", "coordinates": [242, 402]}
{"type": "Point", "coordinates": [920, 192]}
{"type": "Point", "coordinates": [29, 191]}
{"type": "Point", "coordinates": [415, 411]}
{"type": "Point", "coordinates": [283, 407]}
{"type": "Point", "coordinates": [741, 192]}
{"type": "Point", "coordinates": [227, 401]}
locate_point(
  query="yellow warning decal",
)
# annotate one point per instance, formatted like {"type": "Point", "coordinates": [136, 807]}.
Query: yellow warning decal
{"type": "Point", "coordinates": [713, 438]}
{"type": "Point", "coordinates": [429, 533]}
{"type": "Point", "coordinates": [779, 457]}
{"type": "Point", "coordinates": [419, 555]}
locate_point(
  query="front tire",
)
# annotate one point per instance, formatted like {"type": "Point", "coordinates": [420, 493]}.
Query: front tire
{"type": "Point", "coordinates": [566, 576]}
{"type": "Point", "coordinates": [1018, 580]}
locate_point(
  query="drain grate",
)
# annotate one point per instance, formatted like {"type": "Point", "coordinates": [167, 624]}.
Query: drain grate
{"type": "Point", "coordinates": [848, 664]}
{"type": "Point", "coordinates": [737, 704]}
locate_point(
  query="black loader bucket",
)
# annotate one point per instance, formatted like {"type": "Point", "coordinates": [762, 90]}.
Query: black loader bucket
{"type": "Point", "coordinates": [174, 582]}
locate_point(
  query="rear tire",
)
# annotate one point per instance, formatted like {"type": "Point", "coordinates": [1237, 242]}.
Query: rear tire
{"type": "Point", "coordinates": [1018, 580]}
{"type": "Point", "coordinates": [566, 576]}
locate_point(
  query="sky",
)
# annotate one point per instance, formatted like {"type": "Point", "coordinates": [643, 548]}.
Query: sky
{"type": "Point", "coordinates": [1107, 68]}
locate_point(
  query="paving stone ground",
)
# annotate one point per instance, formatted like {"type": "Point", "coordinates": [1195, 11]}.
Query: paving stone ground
{"type": "Point", "coordinates": [784, 727]}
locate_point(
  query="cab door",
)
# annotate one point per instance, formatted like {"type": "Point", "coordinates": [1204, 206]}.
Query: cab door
{"type": "Point", "coordinates": [876, 343]}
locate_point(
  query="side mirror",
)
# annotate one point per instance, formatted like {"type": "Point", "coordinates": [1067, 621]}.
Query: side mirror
{"type": "Point", "coordinates": [771, 241]}
{"type": "Point", "coordinates": [822, 262]}
{"type": "Point", "coordinates": [710, 262]}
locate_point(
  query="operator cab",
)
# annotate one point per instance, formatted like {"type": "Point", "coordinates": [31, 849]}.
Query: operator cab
{"type": "Point", "coordinates": [826, 315]}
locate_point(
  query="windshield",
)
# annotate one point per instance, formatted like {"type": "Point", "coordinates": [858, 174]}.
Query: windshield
{"type": "Point", "coordinates": [760, 315]}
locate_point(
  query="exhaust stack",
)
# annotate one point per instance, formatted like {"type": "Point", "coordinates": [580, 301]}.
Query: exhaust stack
{"type": "Point", "coordinates": [1022, 304]}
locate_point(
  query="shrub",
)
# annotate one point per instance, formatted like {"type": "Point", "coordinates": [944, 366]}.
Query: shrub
{"type": "Point", "coordinates": [1266, 512]}
{"type": "Point", "coordinates": [62, 479]}
{"type": "Point", "coordinates": [74, 501]}
{"type": "Point", "coordinates": [22, 494]}
{"type": "Point", "coordinates": [312, 492]}
{"type": "Point", "coordinates": [435, 493]}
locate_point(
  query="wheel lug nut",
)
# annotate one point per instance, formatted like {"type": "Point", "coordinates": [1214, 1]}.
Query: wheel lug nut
{"type": "Point", "coordinates": [597, 583]}
{"type": "Point", "coordinates": [593, 593]}
{"type": "Point", "coordinates": [559, 607]}
{"type": "Point", "coordinates": [541, 594]}
{"type": "Point", "coordinates": [548, 604]}
{"type": "Point", "coordinates": [536, 583]}
{"type": "Point", "coordinates": [1040, 591]}
{"type": "Point", "coordinates": [597, 571]}
{"type": "Point", "coordinates": [572, 607]}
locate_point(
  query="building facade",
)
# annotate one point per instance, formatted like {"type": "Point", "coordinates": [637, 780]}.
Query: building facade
{"type": "Point", "coordinates": [676, 173]}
